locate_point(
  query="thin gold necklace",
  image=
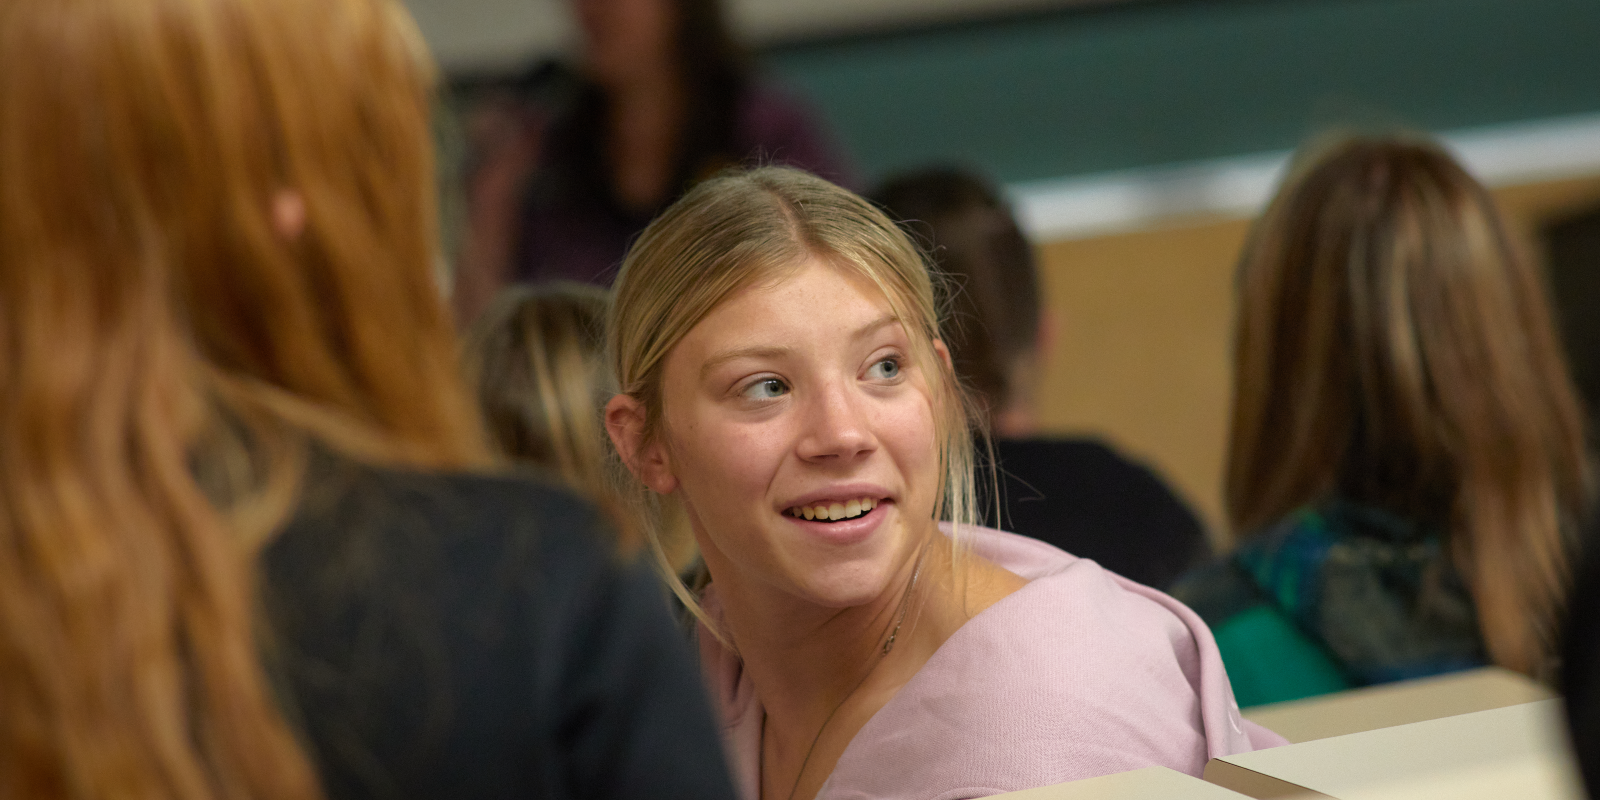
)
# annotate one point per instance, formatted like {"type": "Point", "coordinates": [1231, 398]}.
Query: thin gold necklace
{"type": "Point", "coordinates": [888, 644]}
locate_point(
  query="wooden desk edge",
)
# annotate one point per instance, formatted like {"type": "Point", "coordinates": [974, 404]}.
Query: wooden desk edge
{"type": "Point", "coordinates": [1254, 784]}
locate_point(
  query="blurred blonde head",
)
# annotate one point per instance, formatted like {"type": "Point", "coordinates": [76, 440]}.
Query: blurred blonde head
{"type": "Point", "coordinates": [1396, 347]}
{"type": "Point", "coordinates": [756, 226]}
{"type": "Point", "coordinates": [536, 357]}
{"type": "Point", "coordinates": [216, 232]}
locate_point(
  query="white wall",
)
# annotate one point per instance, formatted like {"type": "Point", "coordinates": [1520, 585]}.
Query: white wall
{"type": "Point", "coordinates": [468, 34]}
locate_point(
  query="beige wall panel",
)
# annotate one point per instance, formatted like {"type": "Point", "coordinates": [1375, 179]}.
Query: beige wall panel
{"type": "Point", "coordinates": [1532, 205]}
{"type": "Point", "coordinates": [1143, 330]}
{"type": "Point", "coordinates": [1140, 352]}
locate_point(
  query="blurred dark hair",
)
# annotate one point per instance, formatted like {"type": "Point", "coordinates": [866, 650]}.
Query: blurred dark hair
{"type": "Point", "coordinates": [1396, 348]}
{"type": "Point", "coordinates": [716, 71]}
{"type": "Point", "coordinates": [993, 282]}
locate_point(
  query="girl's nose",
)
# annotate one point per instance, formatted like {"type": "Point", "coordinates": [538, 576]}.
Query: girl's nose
{"type": "Point", "coordinates": [838, 425]}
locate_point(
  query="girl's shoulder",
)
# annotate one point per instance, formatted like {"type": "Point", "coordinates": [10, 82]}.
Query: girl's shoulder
{"type": "Point", "coordinates": [1078, 674]}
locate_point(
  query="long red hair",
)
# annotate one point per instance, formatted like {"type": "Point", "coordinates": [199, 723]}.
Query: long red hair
{"type": "Point", "coordinates": [166, 356]}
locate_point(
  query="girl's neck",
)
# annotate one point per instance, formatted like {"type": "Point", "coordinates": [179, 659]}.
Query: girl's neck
{"type": "Point", "coordinates": [821, 673]}
{"type": "Point", "coordinates": [804, 659]}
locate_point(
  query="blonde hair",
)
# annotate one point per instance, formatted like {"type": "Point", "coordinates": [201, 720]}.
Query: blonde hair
{"type": "Point", "coordinates": [167, 357]}
{"type": "Point", "coordinates": [745, 227]}
{"type": "Point", "coordinates": [1396, 347]}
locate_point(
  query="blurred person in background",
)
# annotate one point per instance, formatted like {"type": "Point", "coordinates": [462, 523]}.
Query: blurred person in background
{"type": "Point", "coordinates": [777, 342]}
{"type": "Point", "coordinates": [249, 548]}
{"type": "Point", "coordinates": [537, 360]}
{"type": "Point", "coordinates": [1407, 457]}
{"type": "Point", "coordinates": [665, 97]}
{"type": "Point", "coordinates": [1580, 661]}
{"type": "Point", "coordinates": [1077, 494]}
{"type": "Point", "coordinates": [1571, 248]}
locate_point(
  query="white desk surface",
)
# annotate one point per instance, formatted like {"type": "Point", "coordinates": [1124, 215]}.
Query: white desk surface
{"type": "Point", "coordinates": [1513, 752]}
{"type": "Point", "coordinates": [1397, 704]}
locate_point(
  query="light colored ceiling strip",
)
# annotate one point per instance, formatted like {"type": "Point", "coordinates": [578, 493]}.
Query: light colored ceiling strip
{"type": "Point", "coordinates": [1081, 206]}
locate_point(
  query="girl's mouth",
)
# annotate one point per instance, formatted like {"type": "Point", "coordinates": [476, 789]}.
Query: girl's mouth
{"type": "Point", "coordinates": [834, 511]}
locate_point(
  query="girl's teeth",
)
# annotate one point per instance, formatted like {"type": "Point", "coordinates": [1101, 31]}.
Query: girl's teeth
{"type": "Point", "coordinates": [835, 511]}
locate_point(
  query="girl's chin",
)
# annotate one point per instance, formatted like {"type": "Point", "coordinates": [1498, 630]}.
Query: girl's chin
{"type": "Point", "coordinates": [848, 585]}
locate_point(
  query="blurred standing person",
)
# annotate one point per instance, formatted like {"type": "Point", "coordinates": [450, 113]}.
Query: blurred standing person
{"type": "Point", "coordinates": [666, 98]}
{"type": "Point", "coordinates": [1077, 494]}
{"type": "Point", "coordinates": [1407, 464]}
{"type": "Point", "coordinates": [248, 548]}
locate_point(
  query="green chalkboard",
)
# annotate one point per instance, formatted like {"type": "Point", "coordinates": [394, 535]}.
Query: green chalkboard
{"type": "Point", "coordinates": [1139, 84]}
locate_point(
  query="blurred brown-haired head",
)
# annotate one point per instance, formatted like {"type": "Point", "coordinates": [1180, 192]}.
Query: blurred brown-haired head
{"type": "Point", "coordinates": [216, 246]}
{"type": "Point", "coordinates": [1395, 347]}
{"type": "Point", "coordinates": [537, 359]}
{"type": "Point", "coordinates": [993, 281]}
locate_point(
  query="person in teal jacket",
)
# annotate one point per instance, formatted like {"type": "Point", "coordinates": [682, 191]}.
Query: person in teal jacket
{"type": "Point", "coordinates": [1334, 596]}
{"type": "Point", "coordinates": [1407, 460]}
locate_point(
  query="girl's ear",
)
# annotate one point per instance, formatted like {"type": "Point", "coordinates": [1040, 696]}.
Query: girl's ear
{"type": "Point", "coordinates": [648, 461]}
{"type": "Point", "coordinates": [944, 354]}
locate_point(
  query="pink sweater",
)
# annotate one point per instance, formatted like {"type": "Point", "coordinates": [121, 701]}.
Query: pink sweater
{"type": "Point", "coordinates": [1080, 673]}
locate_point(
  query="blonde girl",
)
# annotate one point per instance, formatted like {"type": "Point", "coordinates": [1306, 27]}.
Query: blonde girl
{"type": "Point", "coordinates": [783, 376]}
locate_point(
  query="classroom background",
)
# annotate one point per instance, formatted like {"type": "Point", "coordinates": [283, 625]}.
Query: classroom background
{"type": "Point", "coordinates": [1136, 139]}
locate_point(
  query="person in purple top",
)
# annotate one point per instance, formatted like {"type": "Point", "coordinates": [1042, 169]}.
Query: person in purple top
{"type": "Point", "coordinates": [664, 98]}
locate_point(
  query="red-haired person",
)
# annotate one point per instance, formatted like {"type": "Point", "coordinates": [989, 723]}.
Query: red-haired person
{"type": "Point", "coordinates": [250, 545]}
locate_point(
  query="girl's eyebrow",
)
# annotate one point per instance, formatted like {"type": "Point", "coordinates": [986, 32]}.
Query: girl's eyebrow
{"type": "Point", "coordinates": [759, 351]}
{"type": "Point", "coordinates": [775, 351]}
{"type": "Point", "coordinates": [872, 327]}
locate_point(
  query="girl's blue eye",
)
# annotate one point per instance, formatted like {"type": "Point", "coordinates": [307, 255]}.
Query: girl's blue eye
{"type": "Point", "coordinates": [766, 389]}
{"type": "Point", "coordinates": [885, 370]}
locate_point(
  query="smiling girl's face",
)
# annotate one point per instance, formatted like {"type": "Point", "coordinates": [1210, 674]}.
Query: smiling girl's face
{"type": "Point", "coordinates": [799, 433]}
